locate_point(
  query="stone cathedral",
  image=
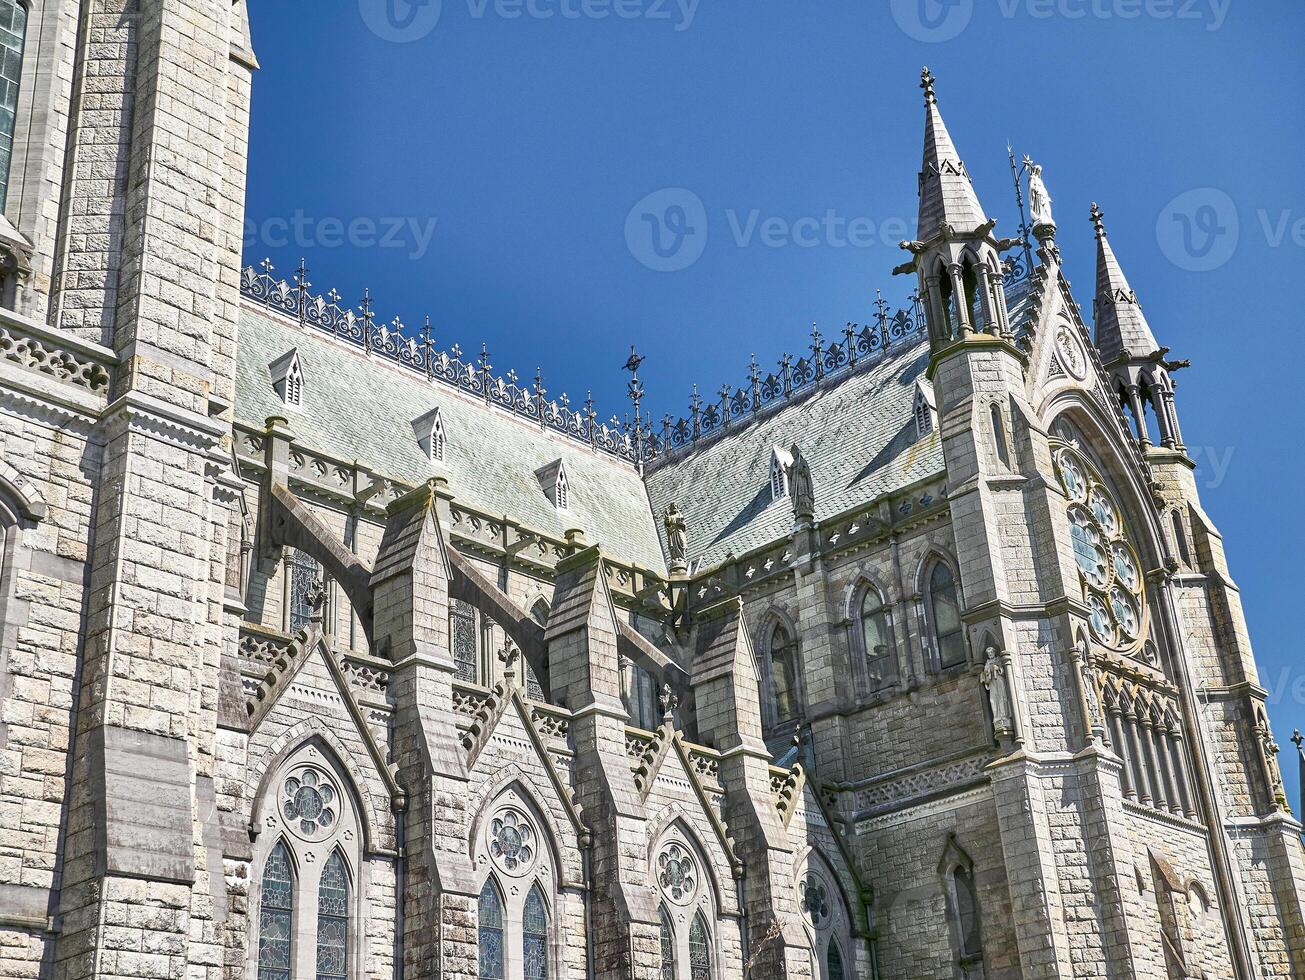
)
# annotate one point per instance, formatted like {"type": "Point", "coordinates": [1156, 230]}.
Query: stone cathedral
{"type": "Point", "coordinates": [328, 654]}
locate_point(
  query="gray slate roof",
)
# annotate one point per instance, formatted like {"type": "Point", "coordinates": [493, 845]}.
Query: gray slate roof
{"type": "Point", "coordinates": [858, 435]}
{"type": "Point", "coordinates": [356, 407]}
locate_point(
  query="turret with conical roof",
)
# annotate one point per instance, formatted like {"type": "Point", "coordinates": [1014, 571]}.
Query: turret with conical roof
{"type": "Point", "coordinates": [955, 254]}
{"type": "Point", "coordinates": [1128, 348]}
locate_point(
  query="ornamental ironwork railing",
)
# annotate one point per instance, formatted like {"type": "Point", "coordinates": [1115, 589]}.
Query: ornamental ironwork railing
{"type": "Point", "coordinates": [636, 440]}
{"type": "Point", "coordinates": [394, 342]}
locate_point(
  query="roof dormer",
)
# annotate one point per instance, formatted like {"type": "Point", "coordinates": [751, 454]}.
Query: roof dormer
{"type": "Point", "coordinates": [781, 462]}
{"type": "Point", "coordinates": [556, 485]}
{"type": "Point", "coordinates": [431, 435]}
{"type": "Point", "coordinates": [288, 378]}
{"type": "Point", "coordinates": [924, 409]}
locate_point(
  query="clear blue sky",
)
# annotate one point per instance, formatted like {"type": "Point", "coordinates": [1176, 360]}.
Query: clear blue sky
{"type": "Point", "coordinates": [511, 140]}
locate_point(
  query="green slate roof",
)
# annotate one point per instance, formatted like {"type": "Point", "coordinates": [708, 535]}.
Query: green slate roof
{"type": "Point", "coordinates": [857, 433]}
{"type": "Point", "coordinates": [359, 407]}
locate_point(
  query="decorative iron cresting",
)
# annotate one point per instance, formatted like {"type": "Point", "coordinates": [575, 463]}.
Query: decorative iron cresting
{"type": "Point", "coordinates": [638, 441]}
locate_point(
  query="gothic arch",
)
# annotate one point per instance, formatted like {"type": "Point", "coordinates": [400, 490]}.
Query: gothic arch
{"type": "Point", "coordinates": [772, 620]}
{"type": "Point", "coordinates": [1120, 467]}
{"type": "Point", "coordinates": [513, 778]}
{"type": "Point", "coordinates": [852, 592]}
{"type": "Point", "coordinates": [676, 819]}
{"type": "Point", "coordinates": [26, 498]}
{"type": "Point", "coordinates": [933, 554]}
{"type": "Point", "coordinates": [336, 755]}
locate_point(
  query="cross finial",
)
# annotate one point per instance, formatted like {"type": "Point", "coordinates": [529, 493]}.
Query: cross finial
{"type": "Point", "coordinates": [635, 359]}
{"type": "Point", "coordinates": [926, 82]}
{"type": "Point", "coordinates": [1097, 220]}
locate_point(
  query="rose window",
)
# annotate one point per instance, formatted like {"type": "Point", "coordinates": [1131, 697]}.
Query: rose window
{"type": "Point", "coordinates": [310, 802]}
{"type": "Point", "coordinates": [512, 841]}
{"type": "Point", "coordinates": [676, 873]}
{"type": "Point", "coordinates": [1107, 563]}
{"type": "Point", "coordinates": [815, 901]}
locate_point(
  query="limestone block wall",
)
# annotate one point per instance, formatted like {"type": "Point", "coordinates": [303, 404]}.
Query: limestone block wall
{"type": "Point", "coordinates": [49, 463]}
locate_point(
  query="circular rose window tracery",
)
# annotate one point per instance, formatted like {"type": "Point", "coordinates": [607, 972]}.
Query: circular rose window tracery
{"type": "Point", "coordinates": [310, 803]}
{"type": "Point", "coordinates": [814, 901]}
{"type": "Point", "coordinates": [513, 842]}
{"type": "Point", "coordinates": [1107, 563]}
{"type": "Point", "coordinates": [677, 874]}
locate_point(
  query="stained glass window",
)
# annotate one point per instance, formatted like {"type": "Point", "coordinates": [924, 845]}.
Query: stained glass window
{"type": "Point", "coordinates": [699, 949]}
{"type": "Point", "coordinates": [1108, 566]}
{"type": "Point", "coordinates": [945, 604]}
{"type": "Point", "coordinates": [881, 665]}
{"type": "Point", "coordinates": [534, 937]}
{"type": "Point", "coordinates": [275, 913]}
{"type": "Point", "coordinates": [462, 636]}
{"type": "Point", "coordinates": [333, 920]}
{"type": "Point", "coordinates": [641, 699]}
{"type": "Point", "coordinates": [834, 962]}
{"type": "Point", "coordinates": [13, 30]}
{"type": "Point", "coordinates": [783, 677]}
{"type": "Point", "coordinates": [303, 573]}
{"type": "Point", "coordinates": [491, 932]}
{"type": "Point", "coordinates": [668, 945]}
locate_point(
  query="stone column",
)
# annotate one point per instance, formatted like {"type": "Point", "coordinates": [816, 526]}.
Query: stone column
{"type": "Point", "coordinates": [140, 825]}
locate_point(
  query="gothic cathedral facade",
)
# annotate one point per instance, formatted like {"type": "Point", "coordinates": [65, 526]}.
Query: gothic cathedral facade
{"type": "Point", "coordinates": [324, 653]}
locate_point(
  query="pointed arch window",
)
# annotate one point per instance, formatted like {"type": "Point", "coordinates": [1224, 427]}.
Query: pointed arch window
{"type": "Point", "coordinates": [945, 613]}
{"type": "Point", "coordinates": [783, 674]}
{"type": "Point", "coordinates": [966, 914]}
{"type": "Point", "coordinates": [333, 920]}
{"type": "Point", "coordinates": [999, 436]}
{"type": "Point", "coordinates": [668, 944]}
{"type": "Point", "coordinates": [534, 936]}
{"type": "Point", "coordinates": [640, 697]}
{"type": "Point", "coordinates": [876, 642]}
{"type": "Point", "coordinates": [780, 461]}
{"type": "Point", "coordinates": [304, 572]}
{"type": "Point", "coordinates": [13, 36]}
{"type": "Point", "coordinates": [490, 946]}
{"type": "Point", "coordinates": [464, 639]}
{"type": "Point", "coordinates": [563, 490]}
{"type": "Point", "coordinates": [834, 963]}
{"type": "Point", "coordinates": [699, 949]}
{"type": "Point", "coordinates": [923, 408]}
{"type": "Point", "coordinates": [275, 916]}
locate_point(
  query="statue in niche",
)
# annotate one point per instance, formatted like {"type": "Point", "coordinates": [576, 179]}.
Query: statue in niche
{"type": "Point", "coordinates": [994, 679]}
{"type": "Point", "coordinates": [1096, 718]}
{"type": "Point", "coordinates": [677, 539]}
{"type": "Point", "coordinates": [1039, 197]}
{"type": "Point", "coordinates": [801, 489]}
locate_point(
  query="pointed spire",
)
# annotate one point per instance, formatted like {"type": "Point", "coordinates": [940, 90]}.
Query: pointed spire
{"type": "Point", "coordinates": [946, 191]}
{"type": "Point", "coordinates": [1121, 327]}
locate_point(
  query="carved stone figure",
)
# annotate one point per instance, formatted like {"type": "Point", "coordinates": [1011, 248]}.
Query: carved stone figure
{"type": "Point", "coordinates": [677, 539]}
{"type": "Point", "coordinates": [1039, 198]}
{"type": "Point", "coordinates": [994, 679]}
{"type": "Point", "coordinates": [801, 489]}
